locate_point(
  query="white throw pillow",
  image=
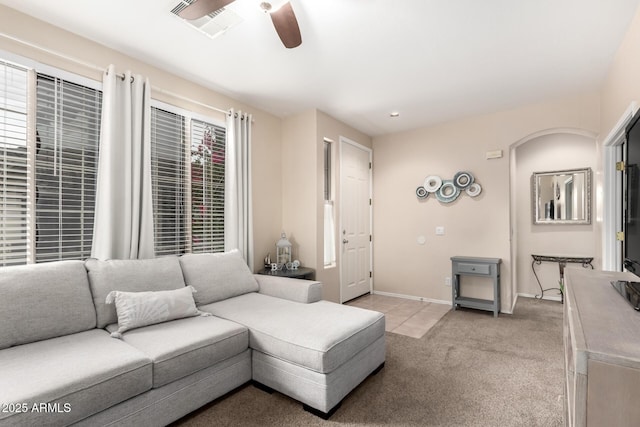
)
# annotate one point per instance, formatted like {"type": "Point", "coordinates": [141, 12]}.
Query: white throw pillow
{"type": "Point", "coordinates": [136, 309]}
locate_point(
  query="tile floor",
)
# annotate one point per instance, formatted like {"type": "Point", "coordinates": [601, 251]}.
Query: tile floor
{"type": "Point", "coordinates": [404, 316]}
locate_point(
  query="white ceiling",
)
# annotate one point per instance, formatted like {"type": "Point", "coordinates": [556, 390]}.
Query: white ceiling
{"type": "Point", "coordinates": [431, 60]}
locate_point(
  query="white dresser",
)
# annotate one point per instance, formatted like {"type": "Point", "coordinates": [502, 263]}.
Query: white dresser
{"type": "Point", "coordinates": [602, 351]}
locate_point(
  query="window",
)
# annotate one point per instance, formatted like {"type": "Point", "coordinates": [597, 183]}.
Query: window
{"type": "Point", "coordinates": [171, 182]}
{"type": "Point", "coordinates": [168, 167]}
{"type": "Point", "coordinates": [66, 164]}
{"type": "Point", "coordinates": [53, 179]}
{"type": "Point", "coordinates": [48, 178]}
{"type": "Point", "coordinates": [14, 170]}
{"type": "Point", "coordinates": [207, 186]}
{"type": "Point", "coordinates": [329, 223]}
{"type": "Point", "coordinates": [327, 170]}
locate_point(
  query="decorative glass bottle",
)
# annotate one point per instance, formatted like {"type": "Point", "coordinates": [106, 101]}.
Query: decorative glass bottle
{"type": "Point", "coordinates": [283, 251]}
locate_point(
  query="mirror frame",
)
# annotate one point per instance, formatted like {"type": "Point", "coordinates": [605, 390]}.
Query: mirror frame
{"type": "Point", "coordinates": [535, 194]}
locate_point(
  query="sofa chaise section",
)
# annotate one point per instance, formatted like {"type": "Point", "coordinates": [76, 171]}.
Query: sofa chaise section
{"type": "Point", "coordinates": [314, 351]}
{"type": "Point", "coordinates": [320, 336]}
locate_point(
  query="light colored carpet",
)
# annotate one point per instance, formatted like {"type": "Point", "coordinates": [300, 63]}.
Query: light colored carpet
{"type": "Point", "coordinates": [470, 369]}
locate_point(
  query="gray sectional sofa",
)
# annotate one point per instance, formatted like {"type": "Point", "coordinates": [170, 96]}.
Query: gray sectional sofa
{"type": "Point", "coordinates": [65, 358]}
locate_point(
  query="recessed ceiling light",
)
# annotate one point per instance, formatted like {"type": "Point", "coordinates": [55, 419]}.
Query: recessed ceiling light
{"type": "Point", "coordinates": [394, 114]}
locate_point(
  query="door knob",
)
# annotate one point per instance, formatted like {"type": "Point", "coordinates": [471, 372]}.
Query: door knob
{"type": "Point", "coordinates": [345, 241]}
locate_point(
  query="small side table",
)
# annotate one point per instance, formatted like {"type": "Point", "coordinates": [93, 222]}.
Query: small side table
{"type": "Point", "coordinates": [299, 273]}
{"type": "Point", "coordinates": [473, 266]}
{"type": "Point", "coordinates": [562, 263]}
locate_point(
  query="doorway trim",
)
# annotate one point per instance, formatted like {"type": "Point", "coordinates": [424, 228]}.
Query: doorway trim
{"type": "Point", "coordinates": [513, 235]}
{"type": "Point", "coordinates": [612, 191]}
{"type": "Point", "coordinates": [344, 140]}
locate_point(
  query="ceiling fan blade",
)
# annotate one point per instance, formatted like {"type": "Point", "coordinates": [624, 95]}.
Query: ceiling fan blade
{"type": "Point", "coordinates": [286, 26]}
{"type": "Point", "coordinates": [200, 8]}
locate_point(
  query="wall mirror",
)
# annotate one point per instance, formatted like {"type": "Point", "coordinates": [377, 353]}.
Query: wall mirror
{"type": "Point", "coordinates": [561, 197]}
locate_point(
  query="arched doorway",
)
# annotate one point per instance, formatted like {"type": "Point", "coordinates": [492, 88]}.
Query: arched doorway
{"type": "Point", "coordinates": [548, 150]}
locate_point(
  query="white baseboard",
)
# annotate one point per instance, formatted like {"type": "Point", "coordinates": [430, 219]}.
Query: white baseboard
{"type": "Point", "coordinates": [435, 301]}
{"type": "Point", "coordinates": [411, 297]}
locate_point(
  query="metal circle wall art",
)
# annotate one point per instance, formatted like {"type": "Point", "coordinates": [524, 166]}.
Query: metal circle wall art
{"type": "Point", "coordinates": [422, 192]}
{"type": "Point", "coordinates": [474, 190]}
{"type": "Point", "coordinates": [432, 183]}
{"type": "Point", "coordinates": [463, 180]}
{"type": "Point", "coordinates": [448, 190]}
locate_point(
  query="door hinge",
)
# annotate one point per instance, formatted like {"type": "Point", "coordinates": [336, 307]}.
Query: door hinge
{"type": "Point", "coordinates": [370, 274]}
{"type": "Point", "coordinates": [369, 202]}
{"type": "Point", "coordinates": [620, 236]}
{"type": "Point", "coordinates": [370, 238]}
{"type": "Point", "coordinates": [620, 166]}
{"type": "Point", "coordinates": [369, 165]}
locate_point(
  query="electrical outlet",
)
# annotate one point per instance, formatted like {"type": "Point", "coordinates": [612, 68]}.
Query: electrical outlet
{"type": "Point", "coordinates": [447, 281]}
{"type": "Point", "coordinates": [440, 231]}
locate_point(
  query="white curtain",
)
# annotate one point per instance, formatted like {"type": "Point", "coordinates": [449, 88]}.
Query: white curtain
{"type": "Point", "coordinates": [123, 224]}
{"type": "Point", "coordinates": [238, 218]}
{"type": "Point", "coordinates": [329, 234]}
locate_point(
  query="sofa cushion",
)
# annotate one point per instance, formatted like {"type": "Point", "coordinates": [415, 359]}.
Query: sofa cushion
{"type": "Point", "coordinates": [217, 276]}
{"type": "Point", "coordinates": [43, 301]}
{"type": "Point", "coordinates": [79, 375]}
{"type": "Point", "coordinates": [320, 336]}
{"type": "Point", "coordinates": [160, 274]}
{"type": "Point", "coordinates": [137, 309]}
{"type": "Point", "coordinates": [182, 347]}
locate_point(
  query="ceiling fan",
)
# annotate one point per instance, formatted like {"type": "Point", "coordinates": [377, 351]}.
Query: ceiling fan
{"type": "Point", "coordinates": [283, 18]}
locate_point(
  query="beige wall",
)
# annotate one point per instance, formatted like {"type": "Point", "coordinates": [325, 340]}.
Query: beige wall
{"type": "Point", "coordinates": [555, 151]}
{"type": "Point", "coordinates": [481, 227]}
{"type": "Point", "coordinates": [83, 56]}
{"type": "Point", "coordinates": [473, 227]}
{"type": "Point", "coordinates": [299, 184]}
{"type": "Point", "coordinates": [622, 83]}
{"type": "Point", "coordinates": [303, 188]}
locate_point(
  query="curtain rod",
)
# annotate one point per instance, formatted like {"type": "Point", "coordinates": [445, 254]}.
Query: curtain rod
{"type": "Point", "coordinates": [102, 69]}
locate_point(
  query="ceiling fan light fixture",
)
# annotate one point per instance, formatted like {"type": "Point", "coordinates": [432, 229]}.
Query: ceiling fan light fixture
{"type": "Point", "coordinates": [212, 24]}
{"type": "Point", "coordinates": [280, 11]}
{"type": "Point", "coordinates": [394, 114]}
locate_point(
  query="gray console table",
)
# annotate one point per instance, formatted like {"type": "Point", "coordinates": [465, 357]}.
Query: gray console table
{"type": "Point", "coordinates": [472, 266]}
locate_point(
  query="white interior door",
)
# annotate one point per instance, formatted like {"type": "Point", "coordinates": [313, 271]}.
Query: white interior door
{"type": "Point", "coordinates": [355, 230]}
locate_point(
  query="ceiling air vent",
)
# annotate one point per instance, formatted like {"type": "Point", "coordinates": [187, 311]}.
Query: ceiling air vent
{"type": "Point", "coordinates": [213, 24]}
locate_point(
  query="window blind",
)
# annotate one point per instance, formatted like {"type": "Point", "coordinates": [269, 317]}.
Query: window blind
{"type": "Point", "coordinates": [66, 161]}
{"type": "Point", "coordinates": [327, 170]}
{"type": "Point", "coordinates": [207, 186]}
{"type": "Point", "coordinates": [14, 170]}
{"type": "Point", "coordinates": [48, 183]}
{"type": "Point", "coordinates": [168, 168]}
